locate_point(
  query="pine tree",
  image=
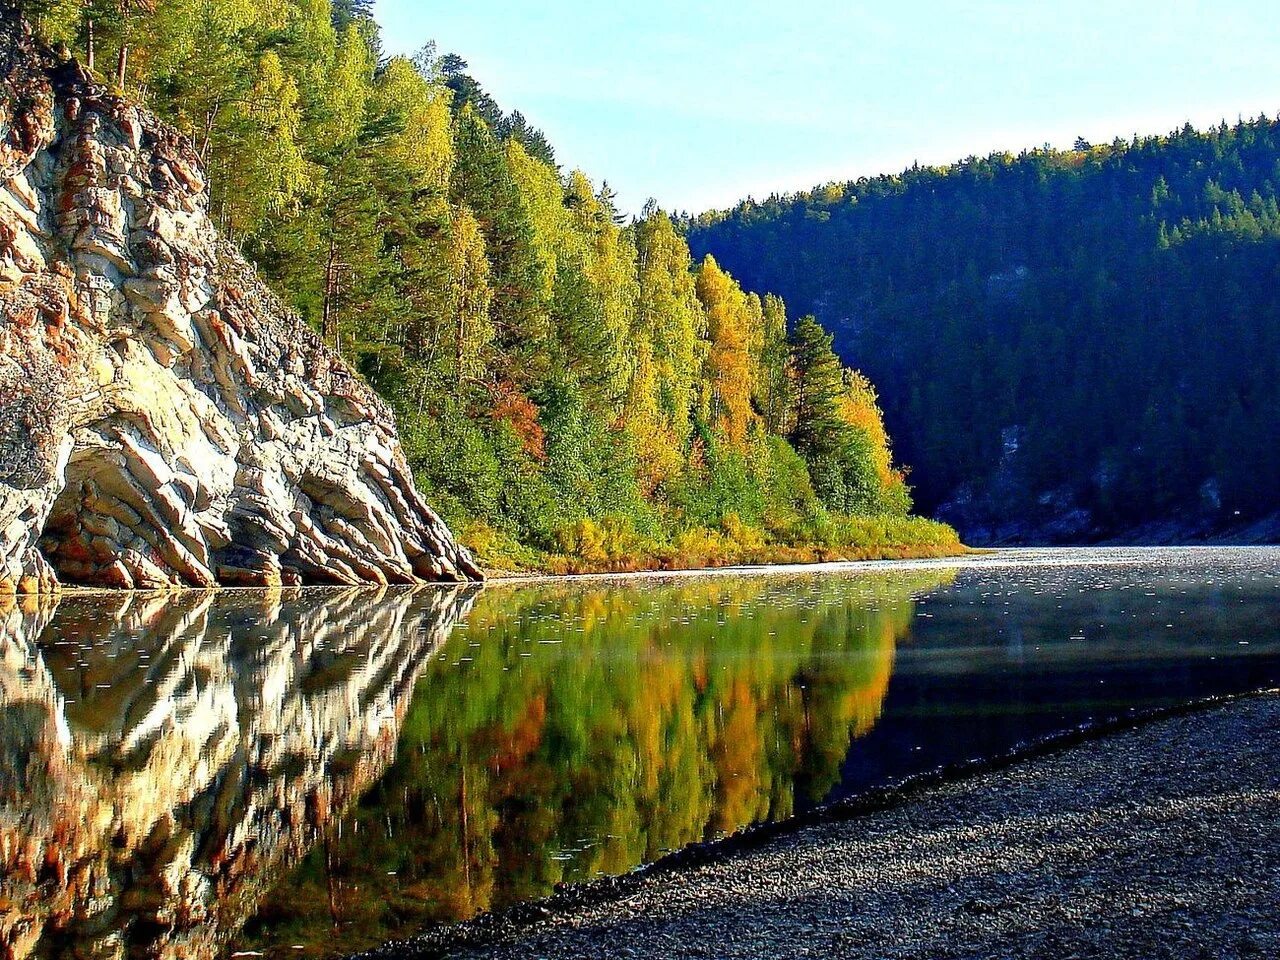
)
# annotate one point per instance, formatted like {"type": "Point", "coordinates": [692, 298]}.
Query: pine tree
{"type": "Point", "coordinates": [347, 12]}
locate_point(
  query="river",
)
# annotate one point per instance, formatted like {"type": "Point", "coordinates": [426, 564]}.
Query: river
{"type": "Point", "coordinates": [312, 772]}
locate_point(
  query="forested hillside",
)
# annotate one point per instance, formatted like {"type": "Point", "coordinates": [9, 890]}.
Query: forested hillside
{"type": "Point", "coordinates": [1071, 344]}
{"type": "Point", "coordinates": [572, 390]}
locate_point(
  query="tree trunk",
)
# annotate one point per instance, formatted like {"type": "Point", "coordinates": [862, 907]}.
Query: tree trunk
{"type": "Point", "coordinates": [457, 351]}
{"type": "Point", "coordinates": [330, 882]}
{"type": "Point", "coordinates": [327, 332]}
{"type": "Point", "coordinates": [122, 67]}
{"type": "Point", "coordinates": [210, 118]}
{"type": "Point", "coordinates": [89, 46]}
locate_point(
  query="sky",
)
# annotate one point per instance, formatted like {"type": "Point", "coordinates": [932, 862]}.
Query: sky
{"type": "Point", "coordinates": [699, 105]}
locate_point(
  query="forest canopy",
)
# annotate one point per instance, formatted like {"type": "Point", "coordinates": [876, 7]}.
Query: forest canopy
{"type": "Point", "coordinates": [573, 390]}
{"type": "Point", "coordinates": [1072, 344]}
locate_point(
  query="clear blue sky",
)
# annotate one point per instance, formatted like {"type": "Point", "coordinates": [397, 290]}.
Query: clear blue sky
{"type": "Point", "coordinates": [701, 104]}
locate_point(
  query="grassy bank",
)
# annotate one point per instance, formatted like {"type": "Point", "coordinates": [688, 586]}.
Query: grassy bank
{"type": "Point", "coordinates": [614, 546]}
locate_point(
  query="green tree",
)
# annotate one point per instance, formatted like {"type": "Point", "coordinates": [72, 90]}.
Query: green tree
{"type": "Point", "coordinates": [819, 385]}
{"type": "Point", "coordinates": [483, 182]}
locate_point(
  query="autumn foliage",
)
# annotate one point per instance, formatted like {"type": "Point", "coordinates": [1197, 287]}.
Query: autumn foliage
{"type": "Point", "coordinates": [573, 391]}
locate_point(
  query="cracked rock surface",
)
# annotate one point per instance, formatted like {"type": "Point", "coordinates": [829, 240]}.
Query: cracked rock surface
{"type": "Point", "coordinates": [164, 421]}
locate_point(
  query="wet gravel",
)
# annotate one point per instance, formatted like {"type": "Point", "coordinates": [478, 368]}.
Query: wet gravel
{"type": "Point", "coordinates": [1163, 841]}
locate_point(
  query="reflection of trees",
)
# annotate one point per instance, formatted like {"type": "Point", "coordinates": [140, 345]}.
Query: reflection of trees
{"type": "Point", "coordinates": [164, 758]}
{"type": "Point", "coordinates": [595, 727]}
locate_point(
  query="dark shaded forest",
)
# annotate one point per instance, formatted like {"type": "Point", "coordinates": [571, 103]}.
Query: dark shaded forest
{"type": "Point", "coordinates": [1072, 345]}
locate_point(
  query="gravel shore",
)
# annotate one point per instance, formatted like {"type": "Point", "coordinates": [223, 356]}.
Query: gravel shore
{"type": "Point", "coordinates": [1163, 841]}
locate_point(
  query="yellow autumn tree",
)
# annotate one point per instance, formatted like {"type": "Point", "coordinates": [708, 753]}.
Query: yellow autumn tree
{"type": "Point", "coordinates": [424, 143]}
{"type": "Point", "coordinates": [729, 368]}
{"type": "Point", "coordinates": [470, 296]}
{"type": "Point", "coordinates": [585, 271]}
{"type": "Point", "coordinates": [348, 85]}
{"type": "Point", "coordinates": [609, 265]}
{"type": "Point", "coordinates": [269, 178]}
{"type": "Point", "coordinates": [859, 407]}
{"type": "Point", "coordinates": [542, 196]}
{"type": "Point", "coordinates": [668, 344]}
{"type": "Point", "coordinates": [669, 316]}
{"type": "Point", "coordinates": [774, 389]}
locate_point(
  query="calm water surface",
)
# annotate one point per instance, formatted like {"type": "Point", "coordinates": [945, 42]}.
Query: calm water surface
{"type": "Point", "coordinates": [304, 773]}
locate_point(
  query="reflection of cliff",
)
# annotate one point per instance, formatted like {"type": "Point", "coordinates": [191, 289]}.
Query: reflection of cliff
{"type": "Point", "coordinates": [577, 729]}
{"type": "Point", "coordinates": [162, 758]}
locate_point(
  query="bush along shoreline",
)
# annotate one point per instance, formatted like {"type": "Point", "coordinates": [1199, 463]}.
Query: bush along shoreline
{"type": "Point", "coordinates": [614, 547]}
{"type": "Point", "coordinates": [573, 391]}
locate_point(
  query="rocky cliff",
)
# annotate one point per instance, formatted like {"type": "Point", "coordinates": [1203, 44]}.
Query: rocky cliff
{"type": "Point", "coordinates": [163, 420]}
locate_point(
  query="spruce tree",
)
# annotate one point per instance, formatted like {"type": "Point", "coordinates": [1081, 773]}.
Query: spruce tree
{"type": "Point", "coordinates": [819, 384]}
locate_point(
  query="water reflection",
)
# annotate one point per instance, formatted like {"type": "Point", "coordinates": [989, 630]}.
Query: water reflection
{"type": "Point", "coordinates": [163, 760]}
{"type": "Point", "coordinates": [576, 730]}
{"type": "Point", "coordinates": [310, 773]}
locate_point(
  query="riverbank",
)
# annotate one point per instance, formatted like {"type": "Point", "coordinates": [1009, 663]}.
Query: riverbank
{"type": "Point", "coordinates": [1163, 841]}
{"type": "Point", "coordinates": [590, 548]}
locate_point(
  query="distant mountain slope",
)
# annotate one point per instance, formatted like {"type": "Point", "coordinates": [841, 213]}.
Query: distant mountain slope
{"type": "Point", "coordinates": [1071, 345]}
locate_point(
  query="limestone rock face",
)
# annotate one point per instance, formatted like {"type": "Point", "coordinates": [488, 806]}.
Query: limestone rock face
{"type": "Point", "coordinates": [163, 419]}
